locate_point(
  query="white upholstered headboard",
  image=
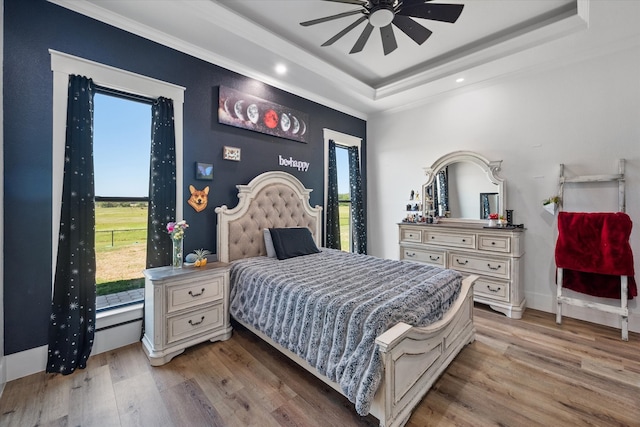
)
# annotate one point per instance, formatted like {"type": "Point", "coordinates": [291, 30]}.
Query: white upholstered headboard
{"type": "Point", "coordinates": [271, 200]}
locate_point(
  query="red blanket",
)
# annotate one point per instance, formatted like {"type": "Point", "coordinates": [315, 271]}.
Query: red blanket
{"type": "Point", "coordinates": [594, 250]}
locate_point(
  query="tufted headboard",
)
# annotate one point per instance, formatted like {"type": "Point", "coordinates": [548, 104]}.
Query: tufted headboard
{"type": "Point", "coordinates": [271, 200]}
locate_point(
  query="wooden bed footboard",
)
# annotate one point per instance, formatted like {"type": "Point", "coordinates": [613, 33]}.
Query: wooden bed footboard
{"type": "Point", "coordinates": [413, 358]}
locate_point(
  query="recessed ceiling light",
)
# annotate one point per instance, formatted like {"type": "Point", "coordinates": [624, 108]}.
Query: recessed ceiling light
{"type": "Point", "coordinates": [459, 80]}
{"type": "Point", "coordinates": [281, 69]}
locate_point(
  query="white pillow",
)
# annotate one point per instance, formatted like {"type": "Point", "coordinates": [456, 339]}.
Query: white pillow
{"type": "Point", "coordinates": [268, 243]}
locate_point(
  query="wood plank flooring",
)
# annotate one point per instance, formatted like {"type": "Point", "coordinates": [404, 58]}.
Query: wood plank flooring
{"type": "Point", "coordinates": [528, 372]}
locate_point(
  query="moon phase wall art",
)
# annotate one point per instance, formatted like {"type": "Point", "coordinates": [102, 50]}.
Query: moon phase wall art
{"type": "Point", "coordinates": [260, 115]}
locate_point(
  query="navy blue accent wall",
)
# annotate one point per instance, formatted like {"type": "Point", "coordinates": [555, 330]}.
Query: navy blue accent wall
{"type": "Point", "coordinates": [34, 26]}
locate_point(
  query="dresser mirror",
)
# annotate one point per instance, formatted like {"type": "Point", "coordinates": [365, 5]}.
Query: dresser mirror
{"type": "Point", "coordinates": [463, 186]}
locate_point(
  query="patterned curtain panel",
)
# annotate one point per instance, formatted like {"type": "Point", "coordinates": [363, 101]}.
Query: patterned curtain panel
{"type": "Point", "coordinates": [443, 191]}
{"type": "Point", "coordinates": [484, 203]}
{"type": "Point", "coordinates": [72, 322]}
{"type": "Point", "coordinates": [333, 209]}
{"type": "Point", "coordinates": [162, 184]}
{"type": "Point", "coordinates": [359, 226]}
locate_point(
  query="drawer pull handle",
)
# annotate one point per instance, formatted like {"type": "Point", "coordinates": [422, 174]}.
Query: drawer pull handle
{"type": "Point", "coordinates": [196, 295]}
{"type": "Point", "coordinates": [410, 255]}
{"type": "Point", "coordinates": [462, 263]}
{"type": "Point", "coordinates": [192, 323]}
{"type": "Point", "coordinates": [434, 258]}
{"type": "Point", "coordinates": [464, 240]}
{"type": "Point", "coordinates": [494, 268]}
{"type": "Point", "coordinates": [493, 243]}
{"type": "Point", "coordinates": [494, 290]}
{"type": "Point", "coordinates": [433, 237]}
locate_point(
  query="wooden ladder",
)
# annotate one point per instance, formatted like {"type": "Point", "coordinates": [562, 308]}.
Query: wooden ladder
{"type": "Point", "coordinates": [623, 310]}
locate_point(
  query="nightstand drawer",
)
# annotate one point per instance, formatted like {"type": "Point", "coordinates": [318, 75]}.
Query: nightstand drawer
{"type": "Point", "coordinates": [494, 243]}
{"type": "Point", "coordinates": [421, 255]}
{"type": "Point", "coordinates": [493, 289]}
{"type": "Point", "coordinates": [479, 265]}
{"type": "Point", "coordinates": [193, 294]}
{"type": "Point", "coordinates": [194, 323]}
{"type": "Point", "coordinates": [458, 240]}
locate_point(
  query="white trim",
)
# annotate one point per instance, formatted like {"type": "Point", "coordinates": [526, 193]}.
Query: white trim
{"type": "Point", "coordinates": [345, 140]}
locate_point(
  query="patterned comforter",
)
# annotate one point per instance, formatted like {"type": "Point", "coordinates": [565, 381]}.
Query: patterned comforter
{"type": "Point", "coordinates": [329, 307]}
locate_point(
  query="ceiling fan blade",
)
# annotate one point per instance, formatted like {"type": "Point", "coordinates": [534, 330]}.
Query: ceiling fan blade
{"type": "Point", "coordinates": [414, 30]}
{"type": "Point", "coordinates": [358, 2]}
{"type": "Point", "coordinates": [330, 18]}
{"type": "Point", "coordinates": [335, 38]}
{"type": "Point", "coordinates": [434, 11]}
{"type": "Point", "coordinates": [389, 43]}
{"type": "Point", "coordinates": [362, 40]}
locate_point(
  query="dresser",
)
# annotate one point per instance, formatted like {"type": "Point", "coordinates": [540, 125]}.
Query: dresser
{"type": "Point", "coordinates": [184, 307]}
{"type": "Point", "coordinates": [496, 255]}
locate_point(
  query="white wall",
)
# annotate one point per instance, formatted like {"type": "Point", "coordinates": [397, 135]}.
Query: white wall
{"type": "Point", "coordinates": [585, 115]}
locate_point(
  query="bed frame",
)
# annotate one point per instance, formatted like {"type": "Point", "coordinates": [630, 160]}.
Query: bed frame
{"type": "Point", "coordinates": [413, 357]}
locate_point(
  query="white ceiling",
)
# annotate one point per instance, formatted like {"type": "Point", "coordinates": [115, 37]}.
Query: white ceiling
{"type": "Point", "coordinates": [491, 38]}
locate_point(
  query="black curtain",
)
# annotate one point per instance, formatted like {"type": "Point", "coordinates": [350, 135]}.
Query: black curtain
{"type": "Point", "coordinates": [333, 209]}
{"type": "Point", "coordinates": [162, 183]}
{"type": "Point", "coordinates": [359, 226]}
{"type": "Point", "coordinates": [485, 208]}
{"type": "Point", "coordinates": [73, 314]}
{"type": "Point", "coordinates": [443, 191]}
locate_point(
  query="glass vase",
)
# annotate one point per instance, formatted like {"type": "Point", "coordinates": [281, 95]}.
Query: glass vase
{"type": "Point", "coordinates": [176, 259]}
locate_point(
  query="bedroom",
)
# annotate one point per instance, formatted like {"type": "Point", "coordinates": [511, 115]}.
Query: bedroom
{"type": "Point", "coordinates": [579, 109]}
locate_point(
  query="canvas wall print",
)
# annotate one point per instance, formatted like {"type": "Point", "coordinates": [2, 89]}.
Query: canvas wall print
{"type": "Point", "coordinates": [246, 111]}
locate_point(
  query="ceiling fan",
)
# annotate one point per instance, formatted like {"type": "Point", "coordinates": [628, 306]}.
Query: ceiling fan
{"type": "Point", "coordinates": [383, 13]}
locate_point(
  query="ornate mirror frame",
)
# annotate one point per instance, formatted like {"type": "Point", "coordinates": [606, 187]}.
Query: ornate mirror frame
{"type": "Point", "coordinates": [489, 167]}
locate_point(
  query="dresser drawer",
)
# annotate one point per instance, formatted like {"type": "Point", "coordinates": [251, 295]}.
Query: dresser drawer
{"type": "Point", "coordinates": [410, 235]}
{"type": "Point", "coordinates": [493, 289]}
{"type": "Point", "coordinates": [194, 323]}
{"type": "Point", "coordinates": [193, 294]}
{"type": "Point", "coordinates": [458, 240]}
{"type": "Point", "coordinates": [423, 255]}
{"type": "Point", "coordinates": [473, 264]}
{"type": "Point", "coordinates": [495, 243]}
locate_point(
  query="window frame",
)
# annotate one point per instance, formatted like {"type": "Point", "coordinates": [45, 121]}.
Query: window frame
{"type": "Point", "coordinates": [63, 65]}
{"type": "Point", "coordinates": [344, 140]}
{"type": "Point", "coordinates": [120, 326]}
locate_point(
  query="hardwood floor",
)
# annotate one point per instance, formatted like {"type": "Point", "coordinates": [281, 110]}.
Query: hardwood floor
{"type": "Point", "coordinates": [517, 373]}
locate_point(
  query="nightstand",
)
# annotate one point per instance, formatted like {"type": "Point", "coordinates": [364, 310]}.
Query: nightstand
{"type": "Point", "coordinates": [184, 307]}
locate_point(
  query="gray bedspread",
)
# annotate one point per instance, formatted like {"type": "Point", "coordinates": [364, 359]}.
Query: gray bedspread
{"type": "Point", "coordinates": [329, 307]}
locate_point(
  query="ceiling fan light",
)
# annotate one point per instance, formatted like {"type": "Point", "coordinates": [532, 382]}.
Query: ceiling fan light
{"type": "Point", "coordinates": [381, 17]}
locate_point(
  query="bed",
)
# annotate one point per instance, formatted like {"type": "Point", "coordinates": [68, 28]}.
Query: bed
{"type": "Point", "coordinates": [411, 358]}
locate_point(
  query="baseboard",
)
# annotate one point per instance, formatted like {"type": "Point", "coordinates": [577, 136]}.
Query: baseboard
{"type": "Point", "coordinates": [3, 374]}
{"type": "Point", "coordinates": [26, 362]}
{"type": "Point", "coordinates": [115, 328]}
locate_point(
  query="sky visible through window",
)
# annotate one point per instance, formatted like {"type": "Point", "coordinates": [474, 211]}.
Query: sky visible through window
{"type": "Point", "coordinates": [121, 144]}
{"type": "Point", "coordinates": [342, 165]}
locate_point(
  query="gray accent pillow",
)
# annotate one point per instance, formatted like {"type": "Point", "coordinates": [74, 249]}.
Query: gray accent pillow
{"type": "Point", "coordinates": [268, 243]}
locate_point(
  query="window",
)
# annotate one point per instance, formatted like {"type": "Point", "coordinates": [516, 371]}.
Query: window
{"type": "Point", "coordinates": [121, 147]}
{"type": "Point", "coordinates": [123, 324]}
{"type": "Point", "coordinates": [344, 197]}
{"type": "Point", "coordinates": [343, 141]}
